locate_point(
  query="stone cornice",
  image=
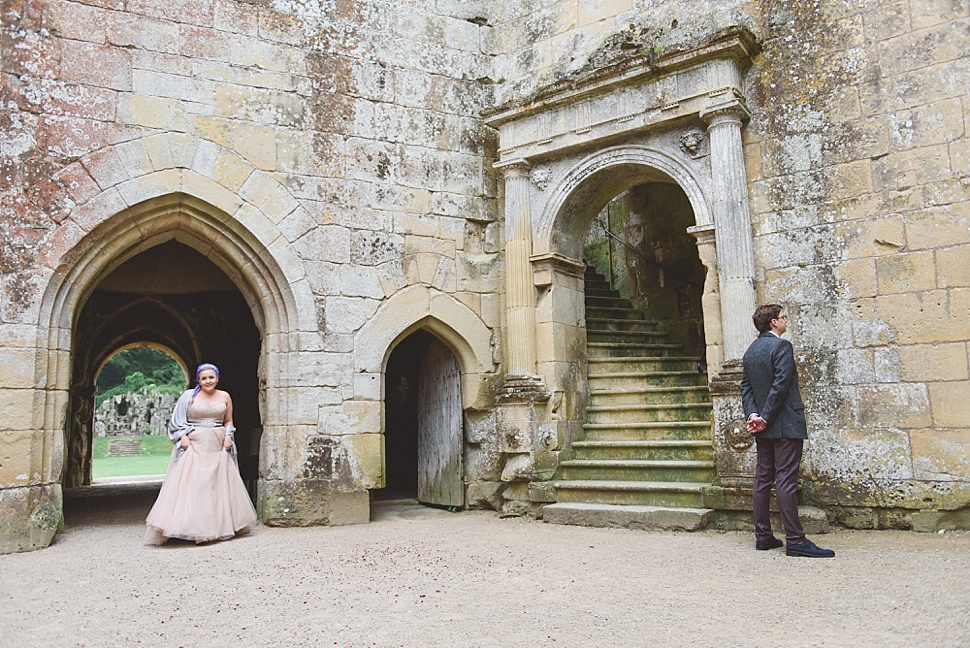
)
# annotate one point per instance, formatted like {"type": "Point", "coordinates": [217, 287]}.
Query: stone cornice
{"type": "Point", "coordinates": [626, 98]}
{"type": "Point", "coordinates": [737, 44]}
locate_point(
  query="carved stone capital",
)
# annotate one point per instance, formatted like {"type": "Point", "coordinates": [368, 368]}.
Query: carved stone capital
{"type": "Point", "coordinates": [516, 168]}
{"type": "Point", "coordinates": [545, 266]}
{"type": "Point", "coordinates": [725, 106]}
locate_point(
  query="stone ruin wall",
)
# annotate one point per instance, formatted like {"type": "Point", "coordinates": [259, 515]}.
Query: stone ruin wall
{"type": "Point", "coordinates": [350, 128]}
{"type": "Point", "coordinates": [858, 164]}
{"type": "Point", "coordinates": [368, 114]}
{"type": "Point", "coordinates": [134, 415]}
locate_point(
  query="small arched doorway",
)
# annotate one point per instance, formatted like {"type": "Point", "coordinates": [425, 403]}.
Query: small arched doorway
{"type": "Point", "coordinates": [173, 297]}
{"type": "Point", "coordinates": [423, 424]}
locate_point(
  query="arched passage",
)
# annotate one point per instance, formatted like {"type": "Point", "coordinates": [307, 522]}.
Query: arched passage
{"type": "Point", "coordinates": [153, 235]}
{"type": "Point", "coordinates": [168, 295]}
{"type": "Point", "coordinates": [595, 180]}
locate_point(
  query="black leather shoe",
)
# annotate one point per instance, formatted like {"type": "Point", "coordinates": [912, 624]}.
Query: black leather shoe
{"type": "Point", "coordinates": [808, 549]}
{"type": "Point", "coordinates": [770, 543]}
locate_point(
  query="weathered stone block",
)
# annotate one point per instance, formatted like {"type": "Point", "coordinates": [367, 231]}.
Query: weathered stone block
{"type": "Point", "coordinates": [367, 452]}
{"type": "Point", "coordinates": [29, 517]}
{"type": "Point", "coordinates": [229, 16]}
{"type": "Point", "coordinates": [360, 281]}
{"type": "Point", "coordinates": [951, 404]}
{"type": "Point", "coordinates": [77, 21]}
{"type": "Point", "coordinates": [899, 171]}
{"type": "Point", "coordinates": [906, 405]}
{"type": "Point", "coordinates": [907, 272]}
{"type": "Point", "coordinates": [372, 248]}
{"type": "Point", "coordinates": [929, 362]}
{"type": "Point", "coordinates": [152, 112]}
{"type": "Point", "coordinates": [484, 495]}
{"type": "Point", "coordinates": [257, 144]}
{"type": "Point", "coordinates": [90, 64]}
{"type": "Point", "coordinates": [874, 237]}
{"type": "Point", "coordinates": [351, 417]}
{"type": "Point", "coordinates": [941, 455]}
{"type": "Point", "coordinates": [480, 273]}
{"type": "Point", "coordinates": [309, 502]}
{"type": "Point", "coordinates": [327, 243]}
{"type": "Point", "coordinates": [936, 228]}
{"type": "Point", "coordinates": [934, 46]}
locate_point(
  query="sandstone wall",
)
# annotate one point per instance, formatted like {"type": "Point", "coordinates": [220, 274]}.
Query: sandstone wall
{"type": "Point", "coordinates": [334, 161]}
{"type": "Point", "coordinates": [859, 178]}
{"type": "Point", "coordinates": [339, 141]}
{"type": "Point", "coordinates": [858, 163]}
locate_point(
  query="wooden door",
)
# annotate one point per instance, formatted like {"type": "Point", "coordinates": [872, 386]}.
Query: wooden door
{"type": "Point", "coordinates": [440, 474]}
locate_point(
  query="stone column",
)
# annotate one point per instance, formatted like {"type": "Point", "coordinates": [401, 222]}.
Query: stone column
{"type": "Point", "coordinates": [522, 397]}
{"type": "Point", "coordinates": [732, 224]}
{"type": "Point", "coordinates": [520, 309]}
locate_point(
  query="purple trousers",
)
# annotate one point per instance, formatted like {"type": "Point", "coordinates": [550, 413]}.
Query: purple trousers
{"type": "Point", "coordinates": [778, 462]}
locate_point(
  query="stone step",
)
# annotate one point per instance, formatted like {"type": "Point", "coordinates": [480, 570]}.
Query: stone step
{"type": "Point", "coordinates": [693, 412]}
{"type": "Point", "coordinates": [622, 380]}
{"type": "Point", "coordinates": [599, 289]}
{"type": "Point", "coordinates": [660, 449]}
{"type": "Point", "coordinates": [620, 324]}
{"type": "Point", "coordinates": [124, 447]}
{"type": "Point", "coordinates": [606, 312]}
{"type": "Point", "coordinates": [651, 470]}
{"type": "Point", "coordinates": [644, 493]}
{"type": "Point", "coordinates": [608, 301]}
{"type": "Point", "coordinates": [613, 350]}
{"type": "Point", "coordinates": [599, 365]}
{"type": "Point", "coordinates": [655, 431]}
{"type": "Point", "coordinates": [650, 395]}
{"type": "Point", "coordinates": [646, 518]}
{"type": "Point", "coordinates": [621, 338]}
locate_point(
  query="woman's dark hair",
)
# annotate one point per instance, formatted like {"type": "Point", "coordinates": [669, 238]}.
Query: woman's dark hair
{"type": "Point", "coordinates": [764, 314]}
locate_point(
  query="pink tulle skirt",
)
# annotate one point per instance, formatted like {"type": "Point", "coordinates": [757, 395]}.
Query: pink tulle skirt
{"type": "Point", "coordinates": [202, 498]}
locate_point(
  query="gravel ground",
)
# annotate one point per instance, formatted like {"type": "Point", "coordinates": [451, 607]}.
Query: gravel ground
{"type": "Point", "coordinates": [422, 577]}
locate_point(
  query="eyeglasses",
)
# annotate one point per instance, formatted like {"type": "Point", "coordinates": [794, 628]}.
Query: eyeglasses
{"type": "Point", "coordinates": [783, 317]}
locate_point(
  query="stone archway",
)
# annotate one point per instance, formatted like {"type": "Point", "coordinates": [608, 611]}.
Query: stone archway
{"type": "Point", "coordinates": [423, 310]}
{"type": "Point", "coordinates": [567, 151]}
{"type": "Point", "coordinates": [170, 296]}
{"type": "Point", "coordinates": [210, 200]}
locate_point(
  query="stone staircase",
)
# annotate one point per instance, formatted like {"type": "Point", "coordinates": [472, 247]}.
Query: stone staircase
{"type": "Point", "coordinates": [646, 457]}
{"type": "Point", "coordinates": [124, 447]}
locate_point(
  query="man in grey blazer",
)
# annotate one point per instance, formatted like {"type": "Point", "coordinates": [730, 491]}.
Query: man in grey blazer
{"type": "Point", "coordinates": [776, 416]}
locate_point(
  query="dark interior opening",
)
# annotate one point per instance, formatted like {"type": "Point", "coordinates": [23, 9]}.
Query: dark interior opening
{"type": "Point", "coordinates": [401, 418]}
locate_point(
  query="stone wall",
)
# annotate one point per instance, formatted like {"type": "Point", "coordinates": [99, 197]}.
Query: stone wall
{"type": "Point", "coordinates": [858, 175]}
{"type": "Point", "coordinates": [858, 163]}
{"type": "Point", "coordinates": [331, 158]}
{"type": "Point", "coordinates": [134, 415]}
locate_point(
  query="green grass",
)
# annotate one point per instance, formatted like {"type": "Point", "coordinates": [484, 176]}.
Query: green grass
{"type": "Point", "coordinates": [153, 460]}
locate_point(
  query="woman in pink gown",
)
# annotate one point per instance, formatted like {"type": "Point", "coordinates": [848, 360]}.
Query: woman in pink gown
{"type": "Point", "coordinates": [202, 497]}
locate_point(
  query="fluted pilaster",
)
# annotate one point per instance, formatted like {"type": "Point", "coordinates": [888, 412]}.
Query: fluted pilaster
{"type": "Point", "coordinates": [520, 290]}
{"type": "Point", "coordinates": [732, 224]}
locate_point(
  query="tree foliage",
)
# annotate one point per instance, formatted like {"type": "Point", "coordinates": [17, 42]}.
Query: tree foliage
{"type": "Point", "coordinates": [141, 370]}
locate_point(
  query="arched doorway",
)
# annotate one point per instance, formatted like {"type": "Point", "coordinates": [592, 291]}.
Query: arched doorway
{"type": "Point", "coordinates": [424, 442]}
{"type": "Point", "coordinates": [639, 243]}
{"type": "Point", "coordinates": [172, 296]}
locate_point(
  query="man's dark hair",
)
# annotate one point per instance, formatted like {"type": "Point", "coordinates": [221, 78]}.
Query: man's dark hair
{"type": "Point", "coordinates": [764, 314]}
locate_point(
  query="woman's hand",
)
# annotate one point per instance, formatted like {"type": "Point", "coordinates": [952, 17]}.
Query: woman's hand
{"type": "Point", "coordinates": [227, 442]}
{"type": "Point", "coordinates": [184, 441]}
